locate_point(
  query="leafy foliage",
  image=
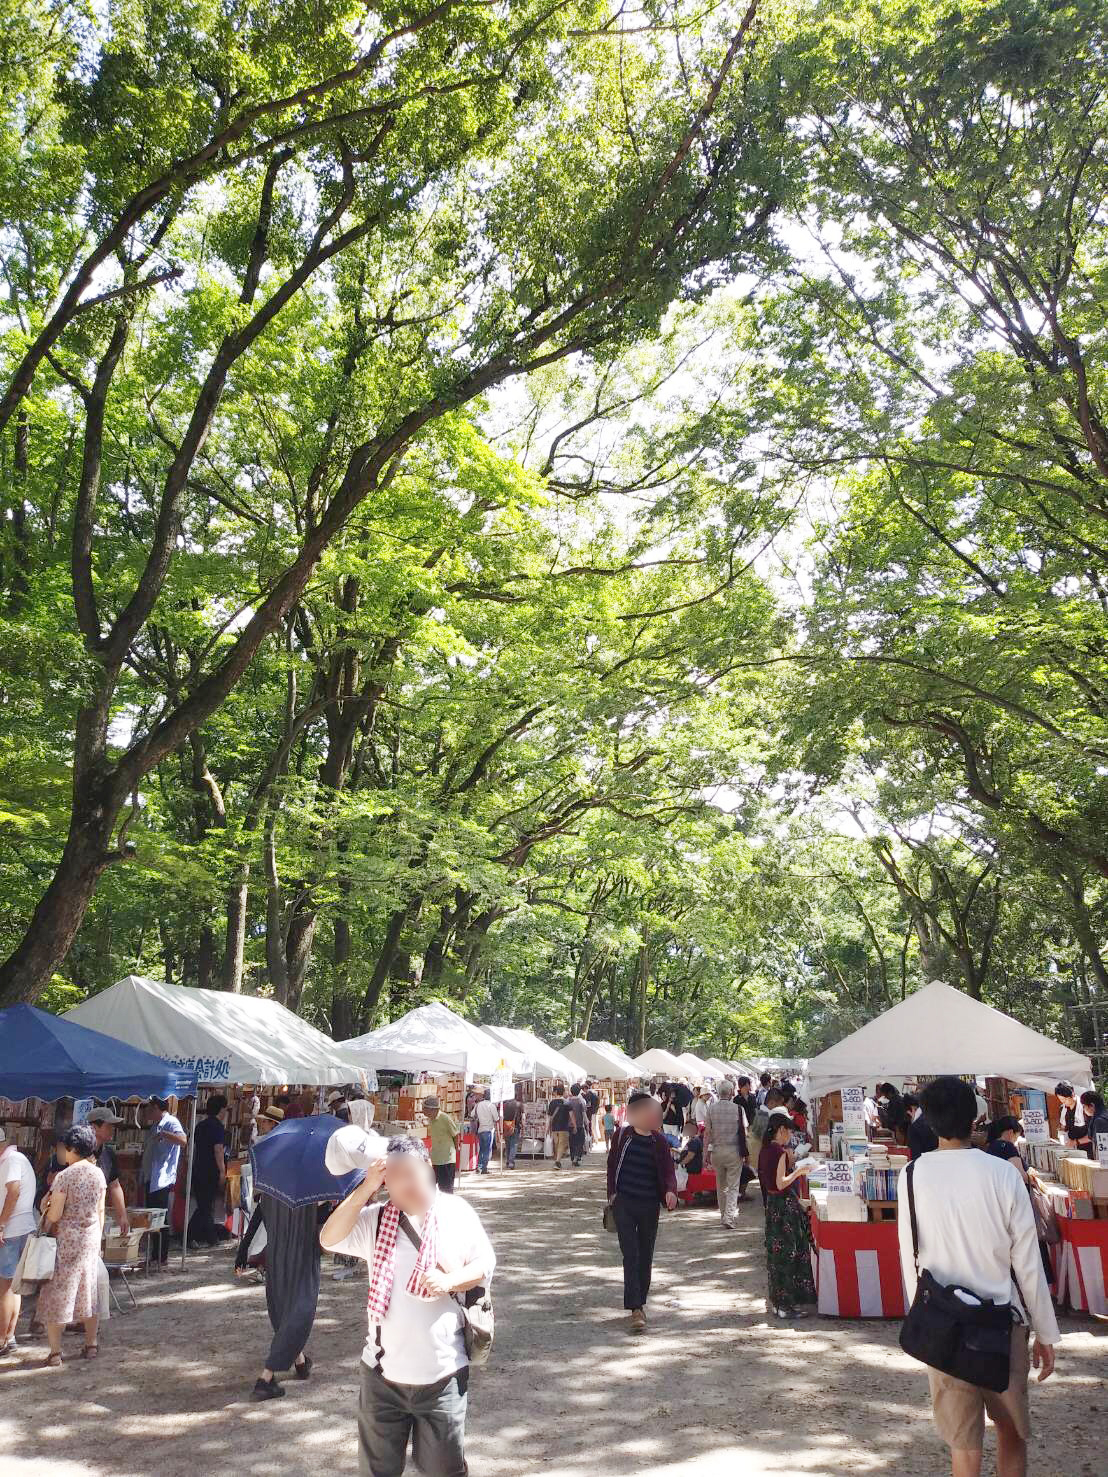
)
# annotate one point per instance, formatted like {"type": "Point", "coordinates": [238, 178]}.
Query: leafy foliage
{"type": "Point", "coordinates": [597, 515]}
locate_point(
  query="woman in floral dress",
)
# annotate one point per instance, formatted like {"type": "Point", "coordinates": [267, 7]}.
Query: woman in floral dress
{"type": "Point", "coordinates": [788, 1238]}
{"type": "Point", "coordinates": [74, 1213]}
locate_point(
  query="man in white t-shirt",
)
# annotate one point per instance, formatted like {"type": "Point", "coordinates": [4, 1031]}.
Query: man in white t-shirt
{"type": "Point", "coordinates": [486, 1115]}
{"type": "Point", "coordinates": [415, 1373]}
{"type": "Point", "coordinates": [977, 1229]}
{"type": "Point", "coordinates": [17, 1221]}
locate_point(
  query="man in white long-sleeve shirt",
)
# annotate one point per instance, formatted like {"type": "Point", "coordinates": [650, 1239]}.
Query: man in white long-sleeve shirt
{"type": "Point", "coordinates": [976, 1228]}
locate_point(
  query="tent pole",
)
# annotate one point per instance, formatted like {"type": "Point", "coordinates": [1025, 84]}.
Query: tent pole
{"type": "Point", "coordinates": [188, 1180]}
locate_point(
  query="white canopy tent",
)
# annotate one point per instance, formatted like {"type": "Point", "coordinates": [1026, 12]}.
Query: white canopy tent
{"type": "Point", "coordinates": [617, 1053]}
{"type": "Point", "coordinates": [777, 1066]}
{"type": "Point", "coordinates": [545, 1061]}
{"type": "Point", "coordinates": [434, 1038]}
{"type": "Point", "coordinates": [719, 1069]}
{"type": "Point", "coordinates": [941, 1030]}
{"type": "Point", "coordinates": [601, 1059]}
{"type": "Point", "coordinates": [659, 1061]}
{"type": "Point", "coordinates": [223, 1038]}
{"type": "Point", "coordinates": [696, 1066]}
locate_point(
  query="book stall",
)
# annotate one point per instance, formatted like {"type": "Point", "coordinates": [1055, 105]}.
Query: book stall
{"type": "Point", "coordinates": [614, 1072]}
{"type": "Point", "coordinates": [1073, 1191]}
{"type": "Point", "coordinates": [434, 1052]}
{"type": "Point", "coordinates": [52, 1072]}
{"type": "Point", "coordinates": [247, 1048]}
{"type": "Point", "coordinates": [548, 1068]}
{"type": "Point", "coordinates": [852, 1186]}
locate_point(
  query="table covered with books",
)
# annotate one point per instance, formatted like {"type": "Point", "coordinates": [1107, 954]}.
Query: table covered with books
{"type": "Point", "coordinates": [1074, 1196]}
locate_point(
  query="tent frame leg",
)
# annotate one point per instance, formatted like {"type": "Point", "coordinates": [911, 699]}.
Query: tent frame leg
{"type": "Point", "coordinates": [188, 1180]}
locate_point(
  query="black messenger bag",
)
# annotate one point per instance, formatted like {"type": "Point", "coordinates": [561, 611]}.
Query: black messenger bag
{"type": "Point", "coordinates": [971, 1341]}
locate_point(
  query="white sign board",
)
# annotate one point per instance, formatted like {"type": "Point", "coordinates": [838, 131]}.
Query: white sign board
{"type": "Point", "coordinates": [1035, 1126]}
{"type": "Point", "coordinates": [501, 1083]}
{"type": "Point", "coordinates": [1102, 1149]}
{"type": "Point", "coordinates": [854, 1111]}
{"type": "Point", "coordinates": [840, 1177]}
{"type": "Point", "coordinates": [825, 1144]}
{"type": "Point", "coordinates": [82, 1107]}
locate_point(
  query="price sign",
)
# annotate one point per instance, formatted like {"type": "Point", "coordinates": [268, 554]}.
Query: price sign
{"type": "Point", "coordinates": [840, 1177]}
{"type": "Point", "coordinates": [501, 1084]}
{"type": "Point", "coordinates": [1035, 1126]}
{"type": "Point", "coordinates": [82, 1107]}
{"type": "Point", "coordinates": [825, 1144]}
{"type": "Point", "coordinates": [1102, 1149]}
{"type": "Point", "coordinates": [854, 1111]}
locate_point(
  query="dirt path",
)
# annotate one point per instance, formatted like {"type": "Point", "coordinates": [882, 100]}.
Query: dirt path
{"type": "Point", "coordinates": [712, 1387]}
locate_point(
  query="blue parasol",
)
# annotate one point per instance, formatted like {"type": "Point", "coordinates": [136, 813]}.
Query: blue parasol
{"type": "Point", "coordinates": [289, 1162]}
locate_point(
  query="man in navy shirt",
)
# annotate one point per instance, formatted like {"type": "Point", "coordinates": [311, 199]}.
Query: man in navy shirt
{"type": "Point", "coordinates": [209, 1173]}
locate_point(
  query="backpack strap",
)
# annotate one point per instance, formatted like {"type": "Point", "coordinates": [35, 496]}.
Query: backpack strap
{"type": "Point", "coordinates": [410, 1231]}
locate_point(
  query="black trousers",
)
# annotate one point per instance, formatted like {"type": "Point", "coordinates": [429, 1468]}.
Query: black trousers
{"type": "Point", "coordinates": [159, 1200]}
{"type": "Point", "coordinates": [203, 1225]}
{"type": "Point", "coordinates": [444, 1176]}
{"type": "Point", "coordinates": [637, 1224]}
{"type": "Point", "coordinates": [433, 1417]}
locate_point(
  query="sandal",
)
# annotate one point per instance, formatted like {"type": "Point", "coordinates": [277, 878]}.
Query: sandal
{"type": "Point", "coordinates": [90, 1351]}
{"type": "Point", "coordinates": [52, 1361]}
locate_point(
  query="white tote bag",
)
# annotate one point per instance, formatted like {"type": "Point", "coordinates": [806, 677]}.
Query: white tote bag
{"type": "Point", "coordinates": [103, 1291]}
{"type": "Point", "coordinates": [40, 1257]}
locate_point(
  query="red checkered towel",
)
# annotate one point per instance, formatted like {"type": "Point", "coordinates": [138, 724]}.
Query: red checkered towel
{"type": "Point", "coordinates": [384, 1260]}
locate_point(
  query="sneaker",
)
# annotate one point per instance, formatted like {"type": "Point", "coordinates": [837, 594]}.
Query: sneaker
{"type": "Point", "coordinates": [303, 1370]}
{"type": "Point", "coordinates": [557, 1164]}
{"type": "Point", "coordinates": [266, 1390]}
{"type": "Point", "coordinates": [638, 1320]}
{"type": "Point", "coordinates": [11, 1347]}
{"type": "Point", "coordinates": [728, 1225]}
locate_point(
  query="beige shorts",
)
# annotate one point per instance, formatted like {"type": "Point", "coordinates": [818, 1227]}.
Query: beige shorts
{"type": "Point", "coordinates": [561, 1144]}
{"type": "Point", "coordinates": [960, 1408]}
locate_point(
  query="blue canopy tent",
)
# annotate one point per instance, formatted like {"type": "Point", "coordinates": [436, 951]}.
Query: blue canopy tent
{"type": "Point", "coordinates": [46, 1057]}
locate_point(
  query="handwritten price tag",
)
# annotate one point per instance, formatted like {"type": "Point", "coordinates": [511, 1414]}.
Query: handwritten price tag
{"type": "Point", "coordinates": [840, 1178]}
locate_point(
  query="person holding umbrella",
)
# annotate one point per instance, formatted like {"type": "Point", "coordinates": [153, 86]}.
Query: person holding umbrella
{"type": "Point", "coordinates": [292, 1179]}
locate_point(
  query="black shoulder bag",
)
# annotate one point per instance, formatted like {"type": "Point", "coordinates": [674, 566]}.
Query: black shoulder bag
{"type": "Point", "coordinates": [971, 1341]}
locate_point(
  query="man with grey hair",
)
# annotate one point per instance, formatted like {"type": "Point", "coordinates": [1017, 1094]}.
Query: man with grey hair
{"type": "Point", "coordinates": [425, 1251]}
{"type": "Point", "coordinates": [725, 1148]}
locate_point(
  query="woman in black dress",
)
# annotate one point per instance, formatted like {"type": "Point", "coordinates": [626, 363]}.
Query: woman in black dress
{"type": "Point", "coordinates": [292, 1255]}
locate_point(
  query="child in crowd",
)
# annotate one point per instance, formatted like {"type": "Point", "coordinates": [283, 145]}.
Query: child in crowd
{"type": "Point", "coordinates": [609, 1125]}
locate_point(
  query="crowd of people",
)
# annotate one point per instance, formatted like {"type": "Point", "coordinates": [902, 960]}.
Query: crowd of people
{"type": "Point", "coordinates": [971, 1225]}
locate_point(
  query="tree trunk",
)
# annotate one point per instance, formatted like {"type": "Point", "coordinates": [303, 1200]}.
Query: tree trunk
{"type": "Point", "coordinates": [62, 907]}
{"type": "Point", "coordinates": [234, 948]}
{"type": "Point", "coordinates": [275, 959]}
{"type": "Point", "coordinates": [382, 970]}
{"type": "Point", "coordinates": [343, 1024]}
{"type": "Point", "coordinates": [642, 980]}
{"type": "Point", "coordinates": [205, 958]}
{"type": "Point", "coordinates": [342, 1005]}
{"type": "Point", "coordinates": [298, 953]}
